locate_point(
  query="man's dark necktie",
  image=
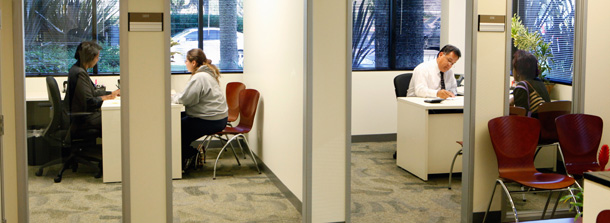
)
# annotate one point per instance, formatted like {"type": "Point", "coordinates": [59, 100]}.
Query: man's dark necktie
{"type": "Point", "coordinates": [442, 81]}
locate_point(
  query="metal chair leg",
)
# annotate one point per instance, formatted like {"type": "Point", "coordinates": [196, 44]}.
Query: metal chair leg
{"type": "Point", "coordinates": [220, 153]}
{"type": "Point", "coordinates": [242, 149]}
{"type": "Point", "coordinates": [251, 153]}
{"type": "Point", "coordinates": [574, 199]}
{"type": "Point", "coordinates": [459, 152]}
{"type": "Point", "coordinates": [510, 199]}
{"type": "Point", "coordinates": [493, 191]}
{"type": "Point", "coordinates": [547, 204]}
{"type": "Point", "coordinates": [498, 181]}
{"type": "Point", "coordinates": [556, 203]}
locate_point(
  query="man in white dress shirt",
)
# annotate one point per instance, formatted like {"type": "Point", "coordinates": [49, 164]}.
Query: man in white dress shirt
{"type": "Point", "coordinates": [434, 78]}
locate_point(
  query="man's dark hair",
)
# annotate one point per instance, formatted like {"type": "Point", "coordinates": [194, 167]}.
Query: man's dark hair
{"type": "Point", "coordinates": [447, 49]}
{"type": "Point", "coordinates": [525, 64]}
{"type": "Point", "coordinates": [86, 52]}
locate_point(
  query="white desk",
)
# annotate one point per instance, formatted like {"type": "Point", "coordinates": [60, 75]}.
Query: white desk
{"type": "Point", "coordinates": [426, 135]}
{"type": "Point", "coordinates": [111, 141]}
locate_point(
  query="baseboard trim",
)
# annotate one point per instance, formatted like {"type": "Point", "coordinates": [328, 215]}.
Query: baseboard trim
{"type": "Point", "coordinates": [294, 200]}
{"type": "Point", "coordinates": [278, 183]}
{"type": "Point", "coordinates": [374, 138]}
{"type": "Point", "coordinates": [495, 216]}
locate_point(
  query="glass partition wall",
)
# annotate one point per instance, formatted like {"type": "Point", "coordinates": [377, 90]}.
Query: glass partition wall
{"type": "Point", "coordinates": [550, 30]}
{"type": "Point", "coordinates": [52, 31]}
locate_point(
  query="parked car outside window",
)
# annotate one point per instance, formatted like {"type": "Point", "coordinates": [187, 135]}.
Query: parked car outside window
{"type": "Point", "coordinates": [188, 39]}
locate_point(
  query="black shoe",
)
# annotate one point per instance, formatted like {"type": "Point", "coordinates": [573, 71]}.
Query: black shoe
{"type": "Point", "coordinates": [189, 163]}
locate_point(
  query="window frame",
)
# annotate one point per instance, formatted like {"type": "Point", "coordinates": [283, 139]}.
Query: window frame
{"type": "Point", "coordinates": [392, 58]}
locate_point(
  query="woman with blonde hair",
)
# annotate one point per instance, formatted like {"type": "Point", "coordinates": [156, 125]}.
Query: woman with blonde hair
{"type": "Point", "coordinates": [206, 109]}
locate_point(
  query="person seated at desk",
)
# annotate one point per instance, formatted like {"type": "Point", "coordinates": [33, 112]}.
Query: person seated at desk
{"type": "Point", "coordinates": [530, 91]}
{"type": "Point", "coordinates": [435, 78]}
{"type": "Point", "coordinates": [82, 95]}
{"type": "Point", "coordinates": [204, 102]}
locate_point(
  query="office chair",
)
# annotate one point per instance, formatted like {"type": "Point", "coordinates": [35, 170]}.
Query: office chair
{"type": "Point", "coordinates": [579, 137]}
{"type": "Point", "coordinates": [516, 159]}
{"type": "Point", "coordinates": [232, 91]}
{"type": "Point", "coordinates": [547, 113]}
{"type": "Point", "coordinates": [232, 96]}
{"type": "Point", "coordinates": [603, 216]}
{"type": "Point", "coordinates": [63, 130]}
{"type": "Point", "coordinates": [401, 85]}
{"type": "Point", "coordinates": [518, 111]}
{"type": "Point", "coordinates": [248, 103]}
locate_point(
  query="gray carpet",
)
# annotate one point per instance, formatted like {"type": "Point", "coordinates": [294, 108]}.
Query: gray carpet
{"type": "Point", "coordinates": [381, 192]}
{"type": "Point", "coordinates": [239, 194]}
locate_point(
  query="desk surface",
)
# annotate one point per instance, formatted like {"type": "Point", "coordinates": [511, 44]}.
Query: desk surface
{"type": "Point", "coordinates": [116, 104]}
{"type": "Point", "coordinates": [453, 103]}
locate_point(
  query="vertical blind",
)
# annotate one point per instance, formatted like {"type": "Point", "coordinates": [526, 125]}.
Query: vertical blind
{"type": "Point", "coordinates": [554, 20]}
{"type": "Point", "coordinates": [394, 34]}
{"type": "Point", "coordinates": [54, 28]}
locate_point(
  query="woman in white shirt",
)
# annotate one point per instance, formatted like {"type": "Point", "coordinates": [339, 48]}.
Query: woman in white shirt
{"type": "Point", "coordinates": [206, 109]}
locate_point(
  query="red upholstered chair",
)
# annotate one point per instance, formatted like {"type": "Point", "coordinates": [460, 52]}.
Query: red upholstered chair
{"type": "Point", "coordinates": [248, 102]}
{"type": "Point", "coordinates": [603, 216]}
{"type": "Point", "coordinates": [514, 139]}
{"type": "Point", "coordinates": [579, 137]}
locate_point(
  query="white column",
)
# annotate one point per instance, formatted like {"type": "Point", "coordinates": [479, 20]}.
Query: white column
{"type": "Point", "coordinates": [145, 117]}
{"type": "Point", "coordinates": [453, 28]}
{"type": "Point", "coordinates": [596, 76]}
{"type": "Point", "coordinates": [485, 92]}
{"type": "Point", "coordinates": [13, 108]}
{"type": "Point", "coordinates": [328, 110]}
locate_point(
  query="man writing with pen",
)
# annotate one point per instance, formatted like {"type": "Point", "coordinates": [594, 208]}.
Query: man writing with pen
{"type": "Point", "coordinates": [435, 78]}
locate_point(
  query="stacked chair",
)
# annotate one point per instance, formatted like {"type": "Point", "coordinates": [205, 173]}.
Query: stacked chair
{"type": "Point", "coordinates": [246, 108]}
{"type": "Point", "coordinates": [518, 111]}
{"type": "Point", "coordinates": [547, 113]}
{"type": "Point", "coordinates": [514, 140]}
{"type": "Point", "coordinates": [579, 137]}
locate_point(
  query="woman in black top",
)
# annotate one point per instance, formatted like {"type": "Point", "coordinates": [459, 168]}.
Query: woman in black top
{"type": "Point", "coordinates": [525, 73]}
{"type": "Point", "coordinates": [81, 95]}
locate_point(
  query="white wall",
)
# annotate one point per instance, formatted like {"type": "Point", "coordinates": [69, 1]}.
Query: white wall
{"type": "Point", "coordinates": [329, 68]}
{"type": "Point", "coordinates": [374, 102]}
{"type": "Point", "coordinates": [7, 86]}
{"type": "Point", "coordinates": [373, 97]}
{"type": "Point", "coordinates": [453, 28]}
{"type": "Point", "coordinates": [489, 65]}
{"type": "Point", "coordinates": [36, 88]}
{"type": "Point", "coordinates": [274, 48]}
{"type": "Point", "coordinates": [596, 77]}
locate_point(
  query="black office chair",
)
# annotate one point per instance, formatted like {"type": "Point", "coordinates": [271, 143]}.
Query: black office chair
{"type": "Point", "coordinates": [63, 131]}
{"type": "Point", "coordinates": [401, 85]}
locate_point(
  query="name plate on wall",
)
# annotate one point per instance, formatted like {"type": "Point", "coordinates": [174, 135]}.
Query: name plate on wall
{"type": "Point", "coordinates": [492, 23]}
{"type": "Point", "coordinates": [145, 22]}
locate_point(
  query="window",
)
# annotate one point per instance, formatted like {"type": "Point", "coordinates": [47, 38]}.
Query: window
{"type": "Point", "coordinates": [554, 20]}
{"type": "Point", "coordinates": [54, 28]}
{"type": "Point", "coordinates": [206, 24]}
{"type": "Point", "coordinates": [394, 35]}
